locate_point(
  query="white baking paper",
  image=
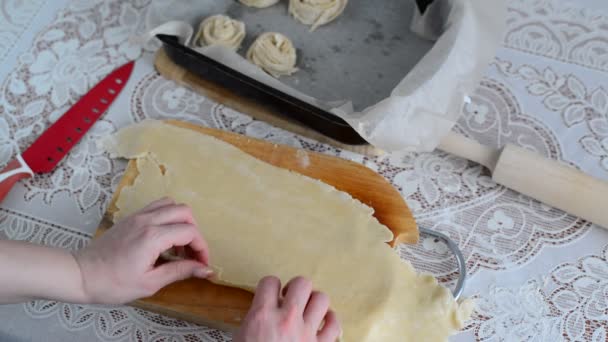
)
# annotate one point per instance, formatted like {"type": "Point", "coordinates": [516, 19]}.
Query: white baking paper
{"type": "Point", "coordinates": [427, 103]}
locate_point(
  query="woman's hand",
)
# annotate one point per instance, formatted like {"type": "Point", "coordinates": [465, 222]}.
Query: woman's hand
{"type": "Point", "coordinates": [120, 266]}
{"type": "Point", "coordinates": [295, 316]}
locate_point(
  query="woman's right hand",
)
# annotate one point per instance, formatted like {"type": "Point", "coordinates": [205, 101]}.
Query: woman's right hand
{"type": "Point", "coordinates": [296, 316]}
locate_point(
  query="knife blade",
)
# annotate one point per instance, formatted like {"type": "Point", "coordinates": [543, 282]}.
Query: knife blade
{"type": "Point", "coordinates": [57, 140]}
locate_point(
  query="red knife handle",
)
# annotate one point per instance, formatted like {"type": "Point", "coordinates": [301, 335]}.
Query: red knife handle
{"type": "Point", "coordinates": [16, 170]}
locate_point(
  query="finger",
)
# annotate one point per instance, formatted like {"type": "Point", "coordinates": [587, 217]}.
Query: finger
{"type": "Point", "coordinates": [331, 329]}
{"type": "Point", "coordinates": [163, 202]}
{"type": "Point", "coordinates": [267, 293]}
{"type": "Point", "coordinates": [183, 234]}
{"type": "Point", "coordinates": [297, 293]}
{"type": "Point", "coordinates": [316, 309]}
{"type": "Point", "coordinates": [170, 214]}
{"type": "Point", "coordinates": [173, 271]}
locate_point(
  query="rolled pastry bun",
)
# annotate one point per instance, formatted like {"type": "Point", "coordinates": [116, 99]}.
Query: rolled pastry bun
{"type": "Point", "coordinates": [274, 53]}
{"type": "Point", "coordinates": [316, 12]}
{"type": "Point", "coordinates": [259, 3]}
{"type": "Point", "coordinates": [220, 30]}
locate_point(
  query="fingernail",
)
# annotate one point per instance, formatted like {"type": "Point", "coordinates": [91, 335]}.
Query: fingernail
{"type": "Point", "coordinates": [203, 272]}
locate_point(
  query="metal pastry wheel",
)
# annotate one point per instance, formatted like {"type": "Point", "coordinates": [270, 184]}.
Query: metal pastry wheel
{"type": "Point", "coordinates": [462, 265]}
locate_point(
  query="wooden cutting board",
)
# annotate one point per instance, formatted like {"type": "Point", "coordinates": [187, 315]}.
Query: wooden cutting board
{"type": "Point", "coordinates": [222, 307]}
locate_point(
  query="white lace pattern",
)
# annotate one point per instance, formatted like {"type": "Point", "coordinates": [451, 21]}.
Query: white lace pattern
{"type": "Point", "coordinates": [537, 273]}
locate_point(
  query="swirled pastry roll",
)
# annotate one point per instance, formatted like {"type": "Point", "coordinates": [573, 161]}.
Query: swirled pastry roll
{"type": "Point", "coordinates": [220, 30]}
{"type": "Point", "coordinates": [274, 53]}
{"type": "Point", "coordinates": [259, 3]}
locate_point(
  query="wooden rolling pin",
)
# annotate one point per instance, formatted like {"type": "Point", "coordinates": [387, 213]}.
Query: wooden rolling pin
{"type": "Point", "coordinates": [546, 180]}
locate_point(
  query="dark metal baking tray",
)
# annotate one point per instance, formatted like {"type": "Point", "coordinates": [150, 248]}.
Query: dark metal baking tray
{"type": "Point", "coordinates": [278, 101]}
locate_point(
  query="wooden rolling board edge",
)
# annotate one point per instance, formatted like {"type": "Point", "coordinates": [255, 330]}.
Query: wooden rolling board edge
{"type": "Point", "coordinates": [128, 177]}
{"type": "Point", "coordinates": [174, 72]}
{"type": "Point", "coordinates": [197, 319]}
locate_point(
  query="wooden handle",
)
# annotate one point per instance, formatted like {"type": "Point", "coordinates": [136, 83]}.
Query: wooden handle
{"type": "Point", "coordinates": [16, 170]}
{"type": "Point", "coordinates": [463, 147]}
{"type": "Point", "coordinates": [553, 183]}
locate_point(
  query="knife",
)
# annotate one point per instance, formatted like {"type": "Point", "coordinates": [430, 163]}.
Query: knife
{"type": "Point", "coordinates": [55, 143]}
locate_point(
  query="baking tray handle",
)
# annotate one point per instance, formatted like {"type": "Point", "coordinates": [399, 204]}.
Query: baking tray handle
{"type": "Point", "coordinates": [462, 265]}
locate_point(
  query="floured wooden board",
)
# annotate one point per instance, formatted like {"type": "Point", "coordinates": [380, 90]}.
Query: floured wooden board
{"type": "Point", "coordinates": [223, 307]}
{"type": "Point", "coordinates": [262, 220]}
{"type": "Point", "coordinates": [174, 72]}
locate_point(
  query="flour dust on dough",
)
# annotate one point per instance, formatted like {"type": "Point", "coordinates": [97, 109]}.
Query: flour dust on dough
{"type": "Point", "coordinates": [274, 53]}
{"type": "Point", "coordinates": [316, 12]}
{"type": "Point", "coordinates": [220, 30]}
{"type": "Point", "coordinates": [260, 220]}
{"type": "Point", "coordinates": [259, 3]}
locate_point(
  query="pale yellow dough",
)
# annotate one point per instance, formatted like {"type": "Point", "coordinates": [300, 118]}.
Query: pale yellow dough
{"type": "Point", "coordinates": [259, 3]}
{"type": "Point", "coordinates": [262, 220]}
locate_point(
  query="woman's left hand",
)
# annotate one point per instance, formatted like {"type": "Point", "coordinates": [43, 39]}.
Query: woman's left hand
{"type": "Point", "coordinates": [120, 266]}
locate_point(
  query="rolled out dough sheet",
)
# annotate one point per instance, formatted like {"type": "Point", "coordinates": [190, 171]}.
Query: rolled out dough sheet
{"type": "Point", "coordinates": [262, 220]}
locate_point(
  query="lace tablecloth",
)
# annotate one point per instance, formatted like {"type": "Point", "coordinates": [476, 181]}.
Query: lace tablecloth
{"type": "Point", "coordinates": [537, 274]}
